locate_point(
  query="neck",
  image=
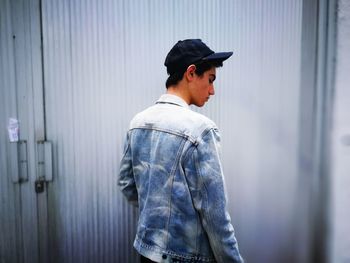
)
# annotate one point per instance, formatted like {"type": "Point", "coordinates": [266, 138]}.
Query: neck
{"type": "Point", "coordinates": [180, 92]}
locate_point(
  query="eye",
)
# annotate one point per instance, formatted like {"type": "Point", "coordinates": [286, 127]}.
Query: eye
{"type": "Point", "coordinates": [212, 78]}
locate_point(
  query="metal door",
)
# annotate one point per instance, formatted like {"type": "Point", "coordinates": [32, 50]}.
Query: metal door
{"type": "Point", "coordinates": [25, 156]}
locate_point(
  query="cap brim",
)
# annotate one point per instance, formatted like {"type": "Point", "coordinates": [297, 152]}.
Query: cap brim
{"type": "Point", "coordinates": [219, 56]}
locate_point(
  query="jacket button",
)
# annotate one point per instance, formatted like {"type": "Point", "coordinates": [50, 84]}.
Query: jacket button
{"type": "Point", "coordinates": [164, 256]}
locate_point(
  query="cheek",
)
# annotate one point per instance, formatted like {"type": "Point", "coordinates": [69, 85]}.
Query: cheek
{"type": "Point", "coordinates": [205, 87]}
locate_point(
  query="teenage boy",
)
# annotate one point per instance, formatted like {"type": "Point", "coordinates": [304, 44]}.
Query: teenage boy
{"type": "Point", "coordinates": [171, 167]}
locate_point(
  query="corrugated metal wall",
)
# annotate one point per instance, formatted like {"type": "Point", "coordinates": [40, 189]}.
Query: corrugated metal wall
{"type": "Point", "coordinates": [103, 62]}
{"type": "Point", "coordinates": [21, 98]}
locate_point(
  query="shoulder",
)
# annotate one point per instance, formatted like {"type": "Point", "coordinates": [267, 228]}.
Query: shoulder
{"type": "Point", "coordinates": [173, 118]}
{"type": "Point", "coordinates": [141, 118]}
{"type": "Point", "coordinates": [200, 122]}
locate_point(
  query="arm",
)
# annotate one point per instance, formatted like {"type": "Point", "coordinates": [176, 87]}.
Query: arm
{"type": "Point", "coordinates": [211, 203]}
{"type": "Point", "coordinates": [126, 179]}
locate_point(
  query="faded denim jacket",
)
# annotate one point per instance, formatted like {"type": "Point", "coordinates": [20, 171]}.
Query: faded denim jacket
{"type": "Point", "coordinates": [171, 170]}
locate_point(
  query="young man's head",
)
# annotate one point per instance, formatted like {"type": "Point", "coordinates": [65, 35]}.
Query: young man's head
{"type": "Point", "coordinates": [191, 66]}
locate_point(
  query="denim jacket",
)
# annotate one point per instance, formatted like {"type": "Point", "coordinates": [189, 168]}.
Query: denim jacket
{"type": "Point", "coordinates": [171, 170]}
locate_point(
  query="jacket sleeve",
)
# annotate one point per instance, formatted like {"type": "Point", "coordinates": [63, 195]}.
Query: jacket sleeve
{"type": "Point", "coordinates": [126, 180]}
{"type": "Point", "coordinates": [210, 200]}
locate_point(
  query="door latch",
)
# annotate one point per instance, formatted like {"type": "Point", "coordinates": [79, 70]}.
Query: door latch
{"type": "Point", "coordinates": [44, 168]}
{"type": "Point", "coordinates": [39, 185]}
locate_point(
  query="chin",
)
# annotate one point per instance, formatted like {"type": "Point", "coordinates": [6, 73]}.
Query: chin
{"type": "Point", "coordinates": [200, 104]}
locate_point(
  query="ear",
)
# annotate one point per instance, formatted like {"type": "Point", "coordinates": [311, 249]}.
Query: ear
{"type": "Point", "coordinates": [190, 72]}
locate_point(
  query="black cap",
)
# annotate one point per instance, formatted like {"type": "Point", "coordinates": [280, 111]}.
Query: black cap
{"type": "Point", "coordinates": [191, 51]}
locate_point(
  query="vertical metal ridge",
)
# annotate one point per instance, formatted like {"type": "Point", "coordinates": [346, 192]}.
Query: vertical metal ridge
{"type": "Point", "coordinates": [104, 63]}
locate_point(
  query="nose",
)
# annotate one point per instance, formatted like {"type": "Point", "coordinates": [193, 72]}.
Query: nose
{"type": "Point", "coordinates": [211, 90]}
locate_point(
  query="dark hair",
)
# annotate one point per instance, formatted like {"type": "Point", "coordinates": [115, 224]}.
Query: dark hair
{"type": "Point", "coordinates": [201, 67]}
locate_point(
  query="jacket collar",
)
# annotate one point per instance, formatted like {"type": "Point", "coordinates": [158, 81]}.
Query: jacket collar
{"type": "Point", "coordinates": [172, 99]}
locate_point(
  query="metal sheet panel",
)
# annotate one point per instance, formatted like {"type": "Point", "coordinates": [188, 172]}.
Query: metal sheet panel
{"type": "Point", "coordinates": [9, 195]}
{"type": "Point", "coordinates": [103, 63]}
{"type": "Point", "coordinates": [340, 140]}
{"type": "Point", "coordinates": [19, 85]}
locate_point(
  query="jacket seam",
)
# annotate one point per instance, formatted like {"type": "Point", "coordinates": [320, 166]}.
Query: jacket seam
{"type": "Point", "coordinates": [189, 137]}
{"type": "Point", "coordinates": [169, 252]}
{"type": "Point", "coordinates": [189, 155]}
{"type": "Point", "coordinates": [172, 174]}
{"type": "Point", "coordinates": [206, 131]}
{"type": "Point", "coordinates": [209, 219]}
{"type": "Point", "coordinates": [127, 146]}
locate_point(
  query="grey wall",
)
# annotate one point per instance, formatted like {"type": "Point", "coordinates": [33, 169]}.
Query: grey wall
{"type": "Point", "coordinates": [103, 62]}
{"type": "Point", "coordinates": [340, 155]}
